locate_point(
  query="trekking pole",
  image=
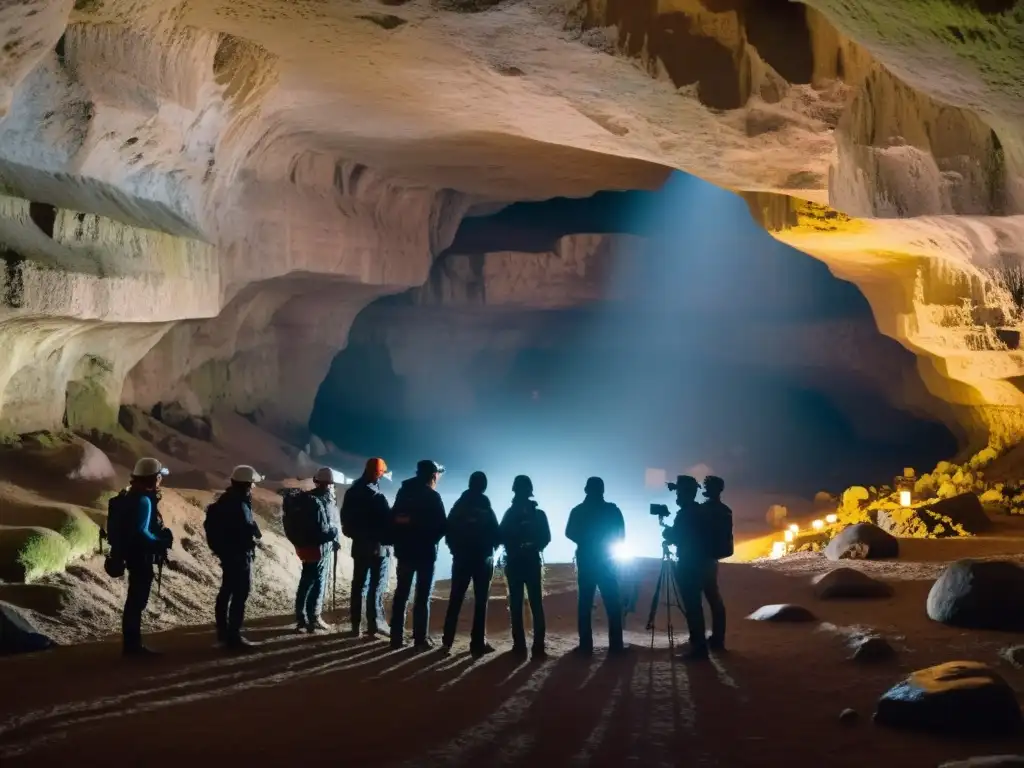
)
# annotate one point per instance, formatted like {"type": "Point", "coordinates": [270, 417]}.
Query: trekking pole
{"type": "Point", "coordinates": [161, 559]}
{"type": "Point", "coordinates": [334, 588]}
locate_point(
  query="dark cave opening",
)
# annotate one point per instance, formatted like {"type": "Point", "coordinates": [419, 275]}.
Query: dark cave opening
{"type": "Point", "coordinates": [735, 361]}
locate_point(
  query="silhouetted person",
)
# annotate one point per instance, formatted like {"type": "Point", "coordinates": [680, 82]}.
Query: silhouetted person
{"type": "Point", "coordinates": [472, 536]}
{"type": "Point", "coordinates": [525, 533]}
{"type": "Point", "coordinates": [718, 519]}
{"type": "Point", "coordinates": [232, 533]}
{"type": "Point", "coordinates": [595, 526]}
{"type": "Point", "coordinates": [417, 526]}
{"type": "Point", "coordinates": [317, 541]}
{"type": "Point", "coordinates": [365, 516]}
{"type": "Point", "coordinates": [139, 540]}
{"type": "Point", "coordinates": [696, 570]}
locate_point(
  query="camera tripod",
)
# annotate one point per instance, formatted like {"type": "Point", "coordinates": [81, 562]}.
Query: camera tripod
{"type": "Point", "coordinates": [666, 581]}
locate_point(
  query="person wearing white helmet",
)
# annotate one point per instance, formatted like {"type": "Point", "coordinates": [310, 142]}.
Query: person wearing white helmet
{"type": "Point", "coordinates": [232, 533]}
{"type": "Point", "coordinates": [138, 540]}
{"type": "Point", "coordinates": [316, 536]}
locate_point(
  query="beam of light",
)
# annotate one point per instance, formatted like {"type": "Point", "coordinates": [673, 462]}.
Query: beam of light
{"type": "Point", "coordinates": [622, 552]}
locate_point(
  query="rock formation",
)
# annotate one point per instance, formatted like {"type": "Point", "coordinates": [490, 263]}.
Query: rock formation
{"type": "Point", "coordinates": [197, 199]}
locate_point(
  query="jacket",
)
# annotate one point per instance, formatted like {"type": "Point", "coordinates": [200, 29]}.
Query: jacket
{"type": "Point", "coordinates": [231, 529]}
{"type": "Point", "coordinates": [365, 516]}
{"type": "Point", "coordinates": [418, 521]}
{"type": "Point", "coordinates": [594, 526]}
{"type": "Point", "coordinates": [691, 535]}
{"type": "Point", "coordinates": [325, 526]}
{"type": "Point", "coordinates": [524, 529]}
{"type": "Point", "coordinates": [472, 531]}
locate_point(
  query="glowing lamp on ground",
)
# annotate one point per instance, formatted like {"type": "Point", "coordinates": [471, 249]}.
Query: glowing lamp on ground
{"type": "Point", "coordinates": [789, 536]}
{"type": "Point", "coordinates": [778, 549]}
{"type": "Point", "coordinates": [905, 486]}
{"type": "Point", "coordinates": [621, 552]}
{"type": "Point", "coordinates": [818, 525]}
{"type": "Point", "coordinates": [831, 519]}
{"type": "Point", "coordinates": [794, 528]}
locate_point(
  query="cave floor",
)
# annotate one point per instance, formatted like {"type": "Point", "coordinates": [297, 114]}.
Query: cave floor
{"type": "Point", "coordinates": [773, 699]}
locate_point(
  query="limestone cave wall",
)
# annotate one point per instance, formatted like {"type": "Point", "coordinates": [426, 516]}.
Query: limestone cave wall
{"type": "Point", "coordinates": [198, 199]}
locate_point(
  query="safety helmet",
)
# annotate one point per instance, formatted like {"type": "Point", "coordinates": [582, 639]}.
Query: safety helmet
{"type": "Point", "coordinates": [149, 467]}
{"type": "Point", "coordinates": [376, 467]}
{"type": "Point", "coordinates": [522, 486]}
{"type": "Point", "coordinates": [428, 467]}
{"type": "Point", "coordinates": [595, 485]}
{"type": "Point", "coordinates": [328, 475]}
{"type": "Point", "coordinates": [684, 482]}
{"type": "Point", "coordinates": [243, 473]}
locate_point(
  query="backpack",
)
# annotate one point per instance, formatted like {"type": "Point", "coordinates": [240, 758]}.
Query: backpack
{"type": "Point", "coordinates": [300, 518]}
{"type": "Point", "coordinates": [721, 531]}
{"type": "Point", "coordinates": [469, 535]}
{"type": "Point", "coordinates": [213, 525]}
{"type": "Point", "coordinates": [118, 523]}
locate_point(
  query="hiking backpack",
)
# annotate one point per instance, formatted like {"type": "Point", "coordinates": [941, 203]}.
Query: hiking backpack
{"type": "Point", "coordinates": [213, 526]}
{"type": "Point", "coordinates": [721, 532]}
{"type": "Point", "coordinates": [299, 519]}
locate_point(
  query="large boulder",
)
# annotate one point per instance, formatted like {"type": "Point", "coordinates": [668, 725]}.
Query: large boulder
{"type": "Point", "coordinates": [957, 516]}
{"type": "Point", "coordinates": [843, 583]}
{"type": "Point", "coordinates": [17, 634]}
{"type": "Point", "coordinates": [862, 541]}
{"type": "Point", "coordinates": [177, 416]}
{"type": "Point", "coordinates": [958, 697]}
{"type": "Point", "coordinates": [979, 595]}
{"type": "Point", "coordinates": [90, 464]}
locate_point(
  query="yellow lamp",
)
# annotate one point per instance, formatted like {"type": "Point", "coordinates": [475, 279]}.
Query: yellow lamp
{"type": "Point", "coordinates": [789, 536]}
{"type": "Point", "coordinates": [794, 528]}
{"type": "Point", "coordinates": [831, 519]}
{"type": "Point", "coordinates": [778, 549]}
{"type": "Point", "coordinates": [818, 525]}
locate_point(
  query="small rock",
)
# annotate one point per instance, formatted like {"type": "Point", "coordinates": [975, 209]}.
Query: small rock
{"type": "Point", "coordinates": [781, 612]}
{"type": "Point", "coordinates": [848, 583]}
{"type": "Point", "coordinates": [862, 541]}
{"type": "Point", "coordinates": [1014, 654]}
{"type": "Point", "coordinates": [979, 595]}
{"type": "Point", "coordinates": [871, 648]}
{"type": "Point", "coordinates": [989, 761]}
{"type": "Point", "coordinates": [959, 697]}
{"type": "Point", "coordinates": [848, 716]}
{"type": "Point", "coordinates": [18, 635]}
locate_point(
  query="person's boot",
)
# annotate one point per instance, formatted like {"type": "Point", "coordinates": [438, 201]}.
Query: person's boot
{"type": "Point", "coordinates": [319, 625]}
{"type": "Point", "coordinates": [425, 644]}
{"type": "Point", "coordinates": [476, 651]}
{"type": "Point", "coordinates": [519, 650]}
{"type": "Point", "coordinates": [619, 650]}
{"type": "Point", "coordinates": [378, 628]}
{"type": "Point", "coordinates": [716, 644]}
{"type": "Point", "coordinates": [538, 653]}
{"type": "Point", "coordinates": [583, 650]}
{"type": "Point", "coordinates": [301, 626]}
{"type": "Point", "coordinates": [240, 645]}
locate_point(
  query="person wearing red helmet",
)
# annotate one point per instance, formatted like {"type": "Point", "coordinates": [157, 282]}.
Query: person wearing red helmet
{"type": "Point", "coordinates": [364, 519]}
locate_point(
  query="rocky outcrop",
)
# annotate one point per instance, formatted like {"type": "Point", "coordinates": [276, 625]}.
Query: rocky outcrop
{"type": "Point", "coordinates": [848, 583]}
{"type": "Point", "coordinates": [199, 198]}
{"type": "Point", "coordinates": [979, 594]}
{"type": "Point", "coordinates": [862, 541]}
{"type": "Point", "coordinates": [959, 697]}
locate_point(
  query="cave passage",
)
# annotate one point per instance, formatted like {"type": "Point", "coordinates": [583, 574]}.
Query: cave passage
{"type": "Point", "coordinates": [721, 348]}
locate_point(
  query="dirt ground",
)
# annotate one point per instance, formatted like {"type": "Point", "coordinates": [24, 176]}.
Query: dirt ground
{"type": "Point", "coordinates": [773, 699]}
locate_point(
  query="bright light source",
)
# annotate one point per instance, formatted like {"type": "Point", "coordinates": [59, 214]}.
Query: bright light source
{"type": "Point", "coordinates": [818, 525]}
{"type": "Point", "coordinates": [789, 536]}
{"type": "Point", "coordinates": [904, 498]}
{"type": "Point", "coordinates": [621, 551]}
{"type": "Point", "coordinates": [778, 549]}
{"type": "Point", "coordinates": [794, 528]}
{"type": "Point", "coordinates": [831, 519]}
